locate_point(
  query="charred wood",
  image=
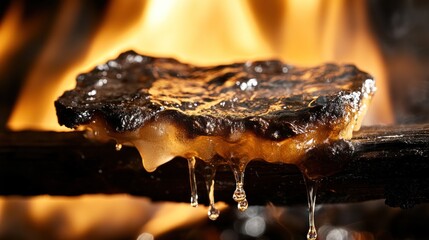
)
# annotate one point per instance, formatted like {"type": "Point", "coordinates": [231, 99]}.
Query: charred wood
{"type": "Point", "coordinates": [389, 163]}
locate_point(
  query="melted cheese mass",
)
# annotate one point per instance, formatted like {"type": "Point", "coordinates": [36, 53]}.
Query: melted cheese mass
{"type": "Point", "coordinates": [161, 141]}
{"type": "Point", "coordinates": [265, 110]}
{"type": "Point", "coordinates": [226, 114]}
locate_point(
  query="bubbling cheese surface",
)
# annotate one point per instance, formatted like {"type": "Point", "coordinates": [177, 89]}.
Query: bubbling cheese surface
{"type": "Point", "coordinates": [228, 114]}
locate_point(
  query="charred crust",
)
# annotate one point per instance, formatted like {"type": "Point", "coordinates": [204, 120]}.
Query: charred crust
{"type": "Point", "coordinates": [272, 99]}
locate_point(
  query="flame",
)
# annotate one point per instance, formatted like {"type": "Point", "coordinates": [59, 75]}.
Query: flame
{"type": "Point", "coordinates": [9, 31]}
{"type": "Point", "coordinates": [14, 33]}
{"type": "Point", "coordinates": [306, 32]}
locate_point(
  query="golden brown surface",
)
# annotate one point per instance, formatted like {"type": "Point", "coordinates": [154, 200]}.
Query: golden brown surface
{"type": "Point", "coordinates": [255, 110]}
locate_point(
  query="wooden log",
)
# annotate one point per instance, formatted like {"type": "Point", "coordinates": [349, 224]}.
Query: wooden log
{"type": "Point", "coordinates": [379, 162]}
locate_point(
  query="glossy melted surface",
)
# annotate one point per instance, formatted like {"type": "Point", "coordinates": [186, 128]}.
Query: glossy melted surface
{"type": "Point", "coordinates": [266, 99]}
{"type": "Point", "coordinates": [251, 110]}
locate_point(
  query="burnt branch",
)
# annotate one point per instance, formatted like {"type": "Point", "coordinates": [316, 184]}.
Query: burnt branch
{"type": "Point", "coordinates": [380, 163]}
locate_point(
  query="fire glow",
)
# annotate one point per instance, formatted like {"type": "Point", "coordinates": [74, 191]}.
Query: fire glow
{"type": "Point", "coordinates": [304, 33]}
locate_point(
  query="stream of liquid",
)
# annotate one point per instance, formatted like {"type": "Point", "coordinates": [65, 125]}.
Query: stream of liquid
{"type": "Point", "coordinates": [311, 187]}
{"type": "Point", "coordinates": [213, 212]}
{"type": "Point", "coordinates": [193, 181]}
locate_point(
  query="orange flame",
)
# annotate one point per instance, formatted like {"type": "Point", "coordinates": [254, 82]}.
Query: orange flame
{"type": "Point", "coordinates": [33, 109]}
{"type": "Point", "coordinates": [303, 32]}
{"type": "Point", "coordinates": [9, 31]}
{"type": "Point", "coordinates": [14, 33]}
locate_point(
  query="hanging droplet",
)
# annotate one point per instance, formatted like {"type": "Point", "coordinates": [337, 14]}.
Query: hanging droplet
{"type": "Point", "coordinates": [193, 182]}
{"type": "Point", "coordinates": [239, 194]}
{"type": "Point", "coordinates": [194, 201]}
{"type": "Point", "coordinates": [242, 205]}
{"type": "Point", "coordinates": [213, 211]}
{"type": "Point", "coordinates": [311, 198]}
{"type": "Point", "coordinates": [312, 233]}
{"type": "Point", "coordinates": [118, 147]}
